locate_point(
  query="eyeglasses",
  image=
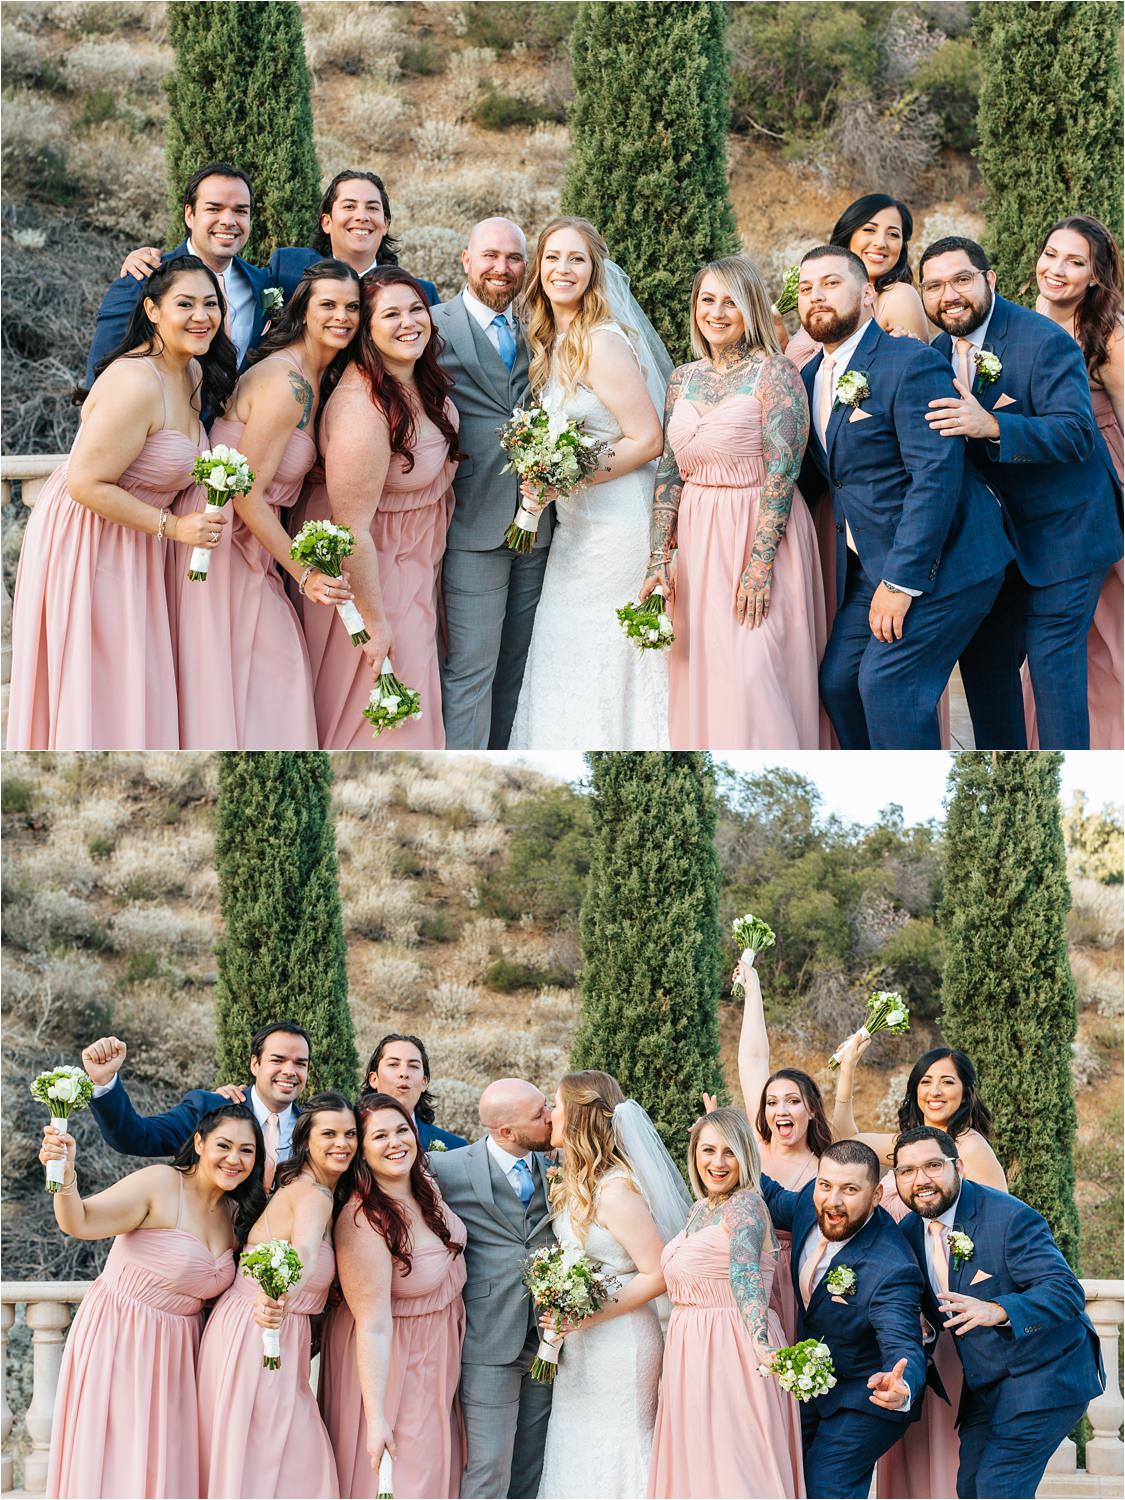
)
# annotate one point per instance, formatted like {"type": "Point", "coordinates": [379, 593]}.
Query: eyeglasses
{"type": "Point", "coordinates": [960, 283]}
{"type": "Point", "coordinates": [933, 1170]}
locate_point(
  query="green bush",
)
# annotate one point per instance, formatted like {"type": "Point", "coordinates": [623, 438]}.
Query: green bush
{"type": "Point", "coordinates": [498, 111]}
{"type": "Point", "coordinates": [500, 24]}
{"type": "Point", "coordinates": [437, 926]}
{"type": "Point", "coordinates": [911, 961]}
{"type": "Point", "coordinates": [421, 59]}
{"type": "Point", "coordinates": [950, 79]}
{"type": "Point", "coordinates": [548, 859]}
{"type": "Point", "coordinates": [508, 974]}
{"type": "Point", "coordinates": [16, 796]}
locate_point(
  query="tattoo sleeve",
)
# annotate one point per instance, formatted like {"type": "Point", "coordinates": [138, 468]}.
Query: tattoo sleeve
{"type": "Point", "coordinates": [745, 1221]}
{"type": "Point", "coordinates": [303, 395]}
{"type": "Point", "coordinates": [669, 486]}
{"type": "Point", "coordinates": [785, 430]}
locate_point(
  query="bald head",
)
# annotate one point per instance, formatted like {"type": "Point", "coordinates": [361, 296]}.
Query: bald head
{"type": "Point", "coordinates": [516, 1115]}
{"type": "Point", "coordinates": [495, 262]}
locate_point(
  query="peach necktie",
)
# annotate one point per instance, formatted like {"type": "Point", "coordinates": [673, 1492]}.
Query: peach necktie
{"type": "Point", "coordinates": [824, 404]}
{"type": "Point", "coordinates": [810, 1269]}
{"type": "Point", "coordinates": [963, 348]}
{"type": "Point", "coordinates": [272, 1135]}
{"type": "Point", "coordinates": [940, 1254]}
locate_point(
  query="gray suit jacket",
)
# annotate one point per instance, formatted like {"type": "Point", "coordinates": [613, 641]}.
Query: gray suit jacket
{"type": "Point", "coordinates": [485, 394]}
{"type": "Point", "coordinates": [498, 1310]}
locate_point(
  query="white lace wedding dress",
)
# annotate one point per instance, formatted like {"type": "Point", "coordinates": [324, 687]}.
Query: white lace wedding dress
{"type": "Point", "coordinates": [585, 686]}
{"type": "Point", "coordinates": [599, 1439]}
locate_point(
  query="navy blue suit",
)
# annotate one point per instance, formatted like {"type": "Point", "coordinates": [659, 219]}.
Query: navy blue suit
{"type": "Point", "coordinates": [287, 266]}
{"type": "Point", "coordinates": [921, 519]}
{"type": "Point", "coordinates": [1052, 472]}
{"type": "Point", "coordinates": [427, 1134]}
{"type": "Point", "coordinates": [123, 295]}
{"type": "Point", "coordinates": [868, 1332]}
{"type": "Point", "coordinates": [152, 1135]}
{"type": "Point", "coordinates": [1028, 1382]}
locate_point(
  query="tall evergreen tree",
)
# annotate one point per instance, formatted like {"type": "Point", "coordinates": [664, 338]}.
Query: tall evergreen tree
{"type": "Point", "coordinates": [650, 935]}
{"type": "Point", "coordinates": [240, 93]}
{"type": "Point", "coordinates": [281, 956]}
{"type": "Point", "coordinates": [1008, 995]}
{"type": "Point", "coordinates": [1050, 123]}
{"type": "Point", "coordinates": [648, 155]}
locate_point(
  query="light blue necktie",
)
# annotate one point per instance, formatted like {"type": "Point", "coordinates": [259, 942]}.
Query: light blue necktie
{"type": "Point", "coordinates": [524, 1184]}
{"type": "Point", "coordinates": [507, 345]}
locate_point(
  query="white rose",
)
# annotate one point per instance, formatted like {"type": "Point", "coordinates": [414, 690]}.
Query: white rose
{"type": "Point", "coordinates": [64, 1089]}
{"type": "Point", "coordinates": [391, 703]}
{"type": "Point", "coordinates": [805, 1382]}
{"type": "Point", "coordinates": [220, 450]}
{"type": "Point", "coordinates": [653, 635]}
{"type": "Point", "coordinates": [665, 626]}
{"type": "Point", "coordinates": [217, 479]}
{"type": "Point", "coordinates": [821, 1351]}
{"type": "Point", "coordinates": [895, 1018]}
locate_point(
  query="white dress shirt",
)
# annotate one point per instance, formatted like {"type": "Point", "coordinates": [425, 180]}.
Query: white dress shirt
{"type": "Point", "coordinates": [285, 1121]}
{"type": "Point", "coordinates": [507, 1164]}
{"type": "Point", "coordinates": [483, 315]}
{"type": "Point", "coordinates": [240, 297]}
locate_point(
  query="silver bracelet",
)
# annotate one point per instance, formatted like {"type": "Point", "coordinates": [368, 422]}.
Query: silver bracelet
{"type": "Point", "coordinates": [304, 579]}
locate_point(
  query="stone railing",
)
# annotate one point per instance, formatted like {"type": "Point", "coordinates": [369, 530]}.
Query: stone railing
{"type": "Point", "coordinates": [49, 1308]}
{"type": "Point", "coordinates": [29, 472]}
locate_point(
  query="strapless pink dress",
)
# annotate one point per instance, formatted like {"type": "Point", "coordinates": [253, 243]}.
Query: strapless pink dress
{"type": "Point", "coordinates": [93, 664]}
{"type": "Point", "coordinates": [421, 1406]}
{"type": "Point", "coordinates": [125, 1419]}
{"type": "Point", "coordinates": [730, 688]}
{"type": "Point", "coordinates": [260, 1431]}
{"type": "Point", "coordinates": [409, 529]}
{"type": "Point", "coordinates": [721, 1429]}
{"type": "Point", "coordinates": [244, 671]}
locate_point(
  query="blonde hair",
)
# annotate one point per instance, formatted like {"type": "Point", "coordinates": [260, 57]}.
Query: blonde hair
{"type": "Point", "coordinates": [739, 278]}
{"type": "Point", "coordinates": [572, 357]}
{"type": "Point", "coordinates": [734, 1128]}
{"type": "Point", "coordinates": [590, 1148]}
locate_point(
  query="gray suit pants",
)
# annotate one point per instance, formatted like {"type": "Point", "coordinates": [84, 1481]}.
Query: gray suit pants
{"type": "Point", "coordinates": [490, 600]}
{"type": "Point", "coordinates": [505, 1414]}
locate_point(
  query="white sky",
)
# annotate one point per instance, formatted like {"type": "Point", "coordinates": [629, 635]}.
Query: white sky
{"type": "Point", "coordinates": [858, 784]}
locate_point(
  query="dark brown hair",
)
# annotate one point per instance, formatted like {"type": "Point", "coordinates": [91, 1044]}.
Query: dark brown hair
{"type": "Point", "coordinates": [819, 1134]}
{"type": "Point", "coordinates": [289, 328]}
{"type": "Point", "coordinates": [248, 1199]}
{"type": "Point", "coordinates": [289, 1170]}
{"type": "Point", "coordinates": [322, 243]}
{"type": "Point", "coordinates": [1099, 312]}
{"type": "Point", "coordinates": [861, 212]}
{"type": "Point", "coordinates": [973, 1113]}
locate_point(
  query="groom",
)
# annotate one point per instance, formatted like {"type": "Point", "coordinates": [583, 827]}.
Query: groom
{"type": "Point", "coordinates": [498, 1188]}
{"type": "Point", "coordinates": [490, 593]}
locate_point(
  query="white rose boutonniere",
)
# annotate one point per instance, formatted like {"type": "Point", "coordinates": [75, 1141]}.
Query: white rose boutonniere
{"type": "Point", "coordinates": [273, 300]}
{"type": "Point", "coordinates": [988, 365]}
{"type": "Point", "coordinates": [961, 1248]}
{"type": "Point", "coordinates": [842, 1281]}
{"type": "Point", "coordinates": [436, 1146]}
{"type": "Point", "coordinates": [851, 388]}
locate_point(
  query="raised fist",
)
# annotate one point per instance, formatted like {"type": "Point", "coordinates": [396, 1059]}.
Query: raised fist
{"type": "Point", "coordinates": [102, 1059]}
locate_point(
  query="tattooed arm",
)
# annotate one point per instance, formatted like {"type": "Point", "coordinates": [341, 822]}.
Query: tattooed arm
{"type": "Point", "coordinates": [747, 1222]}
{"type": "Point", "coordinates": [665, 502]}
{"type": "Point", "coordinates": [785, 429]}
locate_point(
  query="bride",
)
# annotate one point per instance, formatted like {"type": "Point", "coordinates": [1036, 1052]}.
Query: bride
{"type": "Point", "coordinates": [595, 356]}
{"type": "Point", "coordinates": [619, 1200]}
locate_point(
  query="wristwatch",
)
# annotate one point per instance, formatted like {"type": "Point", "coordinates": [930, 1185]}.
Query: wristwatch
{"type": "Point", "coordinates": [890, 588]}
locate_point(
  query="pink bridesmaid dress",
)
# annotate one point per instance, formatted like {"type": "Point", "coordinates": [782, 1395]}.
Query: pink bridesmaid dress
{"type": "Point", "coordinates": [923, 1463]}
{"type": "Point", "coordinates": [409, 529]}
{"type": "Point", "coordinates": [260, 1431]}
{"type": "Point", "coordinates": [245, 682]}
{"type": "Point", "coordinates": [421, 1405]}
{"type": "Point", "coordinates": [1105, 679]}
{"type": "Point", "coordinates": [721, 1429]}
{"type": "Point", "coordinates": [730, 688]}
{"type": "Point", "coordinates": [125, 1419]}
{"type": "Point", "coordinates": [93, 664]}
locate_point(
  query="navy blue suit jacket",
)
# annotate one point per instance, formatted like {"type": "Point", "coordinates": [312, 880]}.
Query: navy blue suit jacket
{"type": "Point", "coordinates": [152, 1135]}
{"type": "Point", "coordinates": [1047, 1355]}
{"type": "Point", "coordinates": [124, 294]}
{"type": "Point", "coordinates": [427, 1134]}
{"type": "Point", "coordinates": [920, 515]}
{"type": "Point", "coordinates": [1051, 467]}
{"type": "Point", "coordinates": [874, 1327]}
{"type": "Point", "coordinates": [287, 266]}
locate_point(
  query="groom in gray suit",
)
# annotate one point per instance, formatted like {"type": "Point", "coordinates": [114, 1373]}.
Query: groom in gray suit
{"type": "Point", "coordinates": [490, 592]}
{"type": "Point", "coordinates": [498, 1188]}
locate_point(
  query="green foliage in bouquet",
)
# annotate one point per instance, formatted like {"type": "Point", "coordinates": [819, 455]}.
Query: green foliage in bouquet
{"type": "Point", "coordinates": [647, 625]}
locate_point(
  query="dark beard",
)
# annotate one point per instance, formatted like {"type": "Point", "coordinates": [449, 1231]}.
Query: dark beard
{"type": "Point", "coordinates": [936, 1209]}
{"type": "Point", "coordinates": [962, 330]}
{"type": "Point", "coordinates": [834, 328]}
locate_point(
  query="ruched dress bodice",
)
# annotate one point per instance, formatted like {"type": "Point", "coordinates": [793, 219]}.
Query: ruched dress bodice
{"type": "Point", "coordinates": [168, 1270]}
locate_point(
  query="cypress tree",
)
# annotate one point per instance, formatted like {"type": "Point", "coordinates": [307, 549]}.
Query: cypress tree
{"type": "Point", "coordinates": [650, 935]}
{"type": "Point", "coordinates": [240, 93]}
{"type": "Point", "coordinates": [648, 154]}
{"type": "Point", "coordinates": [1050, 122]}
{"type": "Point", "coordinates": [1008, 995]}
{"type": "Point", "coordinates": [281, 956]}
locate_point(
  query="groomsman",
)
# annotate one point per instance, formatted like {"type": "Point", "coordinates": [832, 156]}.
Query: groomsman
{"type": "Point", "coordinates": [921, 549]}
{"type": "Point", "coordinates": [1023, 403]}
{"type": "Point", "coordinates": [218, 203]}
{"type": "Point", "coordinates": [279, 1068]}
{"type": "Point", "coordinates": [400, 1066]}
{"type": "Point", "coordinates": [490, 593]}
{"type": "Point", "coordinates": [998, 1281]}
{"type": "Point", "coordinates": [859, 1291]}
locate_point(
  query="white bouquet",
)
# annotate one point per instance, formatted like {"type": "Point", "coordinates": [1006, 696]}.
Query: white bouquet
{"type": "Point", "coordinates": [64, 1091]}
{"type": "Point", "coordinates": [648, 625]}
{"type": "Point", "coordinates": [222, 472]}
{"type": "Point", "coordinates": [751, 935]}
{"type": "Point", "coordinates": [563, 1282]}
{"type": "Point", "coordinates": [804, 1370]}
{"type": "Point", "coordinates": [551, 452]}
{"type": "Point", "coordinates": [886, 1011]}
{"type": "Point", "coordinates": [391, 703]}
{"type": "Point", "coordinates": [323, 546]}
{"type": "Point", "coordinates": [275, 1266]}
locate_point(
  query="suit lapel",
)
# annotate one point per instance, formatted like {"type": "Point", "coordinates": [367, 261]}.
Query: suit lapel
{"type": "Point", "coordinates": [965, 1221]}
{"type": "Point", "coordinates": [541, 1181]}
{"type": "Point", "coordinates": [988, 392]}
{"type": "Point", "coordinates": [480, 1178]}
{"type": "Point", "coordinates": [808, 376]}
{"type": "Point", "coordinates": [481, 364]}
{"type": "Point", "coordinates": [254, 276]}
{"type": "Point", "coordinates": [860, 362]}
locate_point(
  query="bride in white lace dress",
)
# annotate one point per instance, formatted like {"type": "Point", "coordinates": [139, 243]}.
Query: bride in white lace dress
{"type": "Point", "coordinates": [585, 686]}
{"type": "Point", "coordinates": [619, 1204]}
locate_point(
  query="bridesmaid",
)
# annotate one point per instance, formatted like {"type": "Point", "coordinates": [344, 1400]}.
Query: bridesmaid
{"type": "Point", "coordinates": [941, 1091]}
{"type": "Point", "coordinates": [239, 636]}
{"type": "Point", "coordinates": [721, 1429]}
{"type": "Point", "coordinates": [125, 1419]}
{"type": "Point", "coordinates": [748, 612]}
{"type": "Point", "coordinates": [1079, 279]}
{"type": "Point", "coordinates": [389, 440]}
{"type": "Point", "coordinates": [391, 1357]}
{"type": "Point", "coordinates": [790, 1127]}
{"type": "Point", "coordinates": [93, 665]}
{"type": "Point", "coordinates": [260, 1430]}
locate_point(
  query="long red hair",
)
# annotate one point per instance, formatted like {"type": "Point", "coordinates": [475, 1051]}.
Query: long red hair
{"type": "Point", "coordinates": [387, 1217]}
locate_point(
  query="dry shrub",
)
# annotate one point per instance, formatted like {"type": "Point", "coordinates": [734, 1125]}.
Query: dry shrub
{"type": "Point", "coordinates": [393, 980]}
{"type": "Point", "coordinates": [457, 1106]}
{"type": "Point", "coordinates": [549, 145]}
{"type": "Point", "coordinates": [883, 148]}
{"type": "Point", "coordinates": [554, 1017]}
{"type": "Point", "coordinates": [21, 57]}
{"type": "Point", "coordinates": [169, 1044]}
{"type": "Point", "coordinates": [377, 118]}
{"type": "Point", "coordinates": [357, 39]}
{"type": "Point", "coordinates": [382, 912]}
{"type": "Point", "coordinates": [125, 177]}
{"type": "Point", "coordinates": [1085, 1065]}
{"type": "Point", "coordinates": [114, 65]}
{"type": "Point", "coordinates": [60, 865]}
{"type": "Point", "coordinates": [1098, 981]}
{"type": "Point", "coordinates": [159, 929]}
{"type": "Point", "coordinates": [46, 918]}
{"type": "Point", "coordinates": [434, 254]}
{"type": "Point", "coordinates": [940, 222]}
{"type": "Point", "coordinates": [452, 1002]}
{"type": "Point", "coordinates": [364, 799]}
{"type": "Point", "coordinates": [203, 887]}
{"type": "Point", "coordinates": [34, 141]}
{"type": "Point", "coordinates": [494, 1051]}
{"type": "Point", "coordinates": [438, 141]}
{"type": "Point", "coordinates": [144, 869]}
{"type": "Point", "coordinates": [886, 1111]}
{"type": "Point", "coordinates": [466, 71]}
{"type": "Point", "coordinates": [1096, 911]}
{"type": "Point", "coordinates": [479, 939]}
{"type": "Point", "coordinates": [92, 16]}
{"type": "Point", "coordinates": [59, 996]}
{"type": "Point", "coordinates": [97, 819]}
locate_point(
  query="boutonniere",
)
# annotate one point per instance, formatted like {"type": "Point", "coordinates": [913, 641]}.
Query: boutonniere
{"type": "Point", "coordinates": [851, 388]}
{"type": "Point", "coordinates": [841, 1281]}
{"type": "Point", "coordinates": [961, 1248]}
{"type": "Point", "coordinates": [988, 365]}
{"type": "Point", "coordinates": [553, 1174]}
{"type": "Point", "coordinates": [273, 300]}
{"type": "Point", "coordinates": [436, 1146]}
